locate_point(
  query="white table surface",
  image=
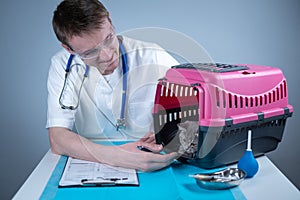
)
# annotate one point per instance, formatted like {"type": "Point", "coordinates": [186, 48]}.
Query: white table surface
{"type": "Point", "coordinates": [268, 183]}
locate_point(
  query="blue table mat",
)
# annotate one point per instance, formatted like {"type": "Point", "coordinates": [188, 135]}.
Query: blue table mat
{"type": "Point", "coordinates": [172, 182]}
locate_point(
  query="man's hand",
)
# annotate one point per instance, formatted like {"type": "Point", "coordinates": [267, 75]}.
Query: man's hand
{"type": "Point", "coordinates": [129, 156]}
{"type": "Point", "coordinates": [149, 142]}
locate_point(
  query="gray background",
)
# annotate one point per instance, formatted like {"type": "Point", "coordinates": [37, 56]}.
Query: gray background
{"type": "Point", "coordinates": [259, 32]}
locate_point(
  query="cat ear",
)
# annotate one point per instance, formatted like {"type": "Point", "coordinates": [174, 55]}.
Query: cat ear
{"type": "Point", "coordinates": [181, 128]}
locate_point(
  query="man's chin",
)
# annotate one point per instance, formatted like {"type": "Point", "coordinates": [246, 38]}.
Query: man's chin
{"type": "Point", "coordinates": [107, 72]}
{"type": "Point", "coordinates": [108, 69]}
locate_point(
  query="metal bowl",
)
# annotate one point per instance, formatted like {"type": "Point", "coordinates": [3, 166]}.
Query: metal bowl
{"type": "Point", "coordinates": [224, 179]}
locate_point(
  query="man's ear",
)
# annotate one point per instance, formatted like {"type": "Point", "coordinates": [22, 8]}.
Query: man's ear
{"type": "Point", "coordinates": [66, 47]}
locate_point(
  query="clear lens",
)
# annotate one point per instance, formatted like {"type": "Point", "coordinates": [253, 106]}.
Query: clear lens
{"type": "Point", "coordinates": [93, 53]}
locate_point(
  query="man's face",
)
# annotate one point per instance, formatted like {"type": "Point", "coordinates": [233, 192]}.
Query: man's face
{"type": "Point", "coordinates": [99, 48]}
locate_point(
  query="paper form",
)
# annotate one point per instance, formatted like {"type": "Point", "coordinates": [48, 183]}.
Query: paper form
{"type": "Point", "coordinates": [85, 173]}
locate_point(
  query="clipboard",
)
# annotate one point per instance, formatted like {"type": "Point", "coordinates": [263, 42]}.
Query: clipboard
{"type": "Point", "coordinates": [82, 173]}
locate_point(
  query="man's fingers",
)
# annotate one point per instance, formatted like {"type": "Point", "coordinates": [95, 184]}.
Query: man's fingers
{"type": "Point", "coordinates": [158, 161]}
{"type": "Point", "coordinates": [150, 147]}
{"type": "Point", "coordinates": [165, 158]}
{"type": "Point", "coordinates": [148, 137]}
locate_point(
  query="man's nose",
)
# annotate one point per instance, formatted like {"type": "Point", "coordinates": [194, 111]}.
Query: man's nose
{"type": "Point", "coordinates": [106, 54]}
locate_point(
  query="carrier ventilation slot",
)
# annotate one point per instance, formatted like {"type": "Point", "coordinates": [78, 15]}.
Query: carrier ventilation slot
{"type": "Point", "coordinates": [187, 113]}
{"type": "Point", "coordinates": [228, 100]}
{"type": "Point", "coordinates": [171, 89]}
{"type": "Point", "coordinates": [211, 67]}
{"type": "Point", "coordinates": [242, 130]}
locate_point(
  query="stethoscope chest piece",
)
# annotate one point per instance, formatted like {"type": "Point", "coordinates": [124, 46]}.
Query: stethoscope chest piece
{"type": "Point", "coordinates": [121, 123]}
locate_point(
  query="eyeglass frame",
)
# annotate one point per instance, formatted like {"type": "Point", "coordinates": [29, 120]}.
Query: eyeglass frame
{"type": "Point", "coordinates": [111, 37]}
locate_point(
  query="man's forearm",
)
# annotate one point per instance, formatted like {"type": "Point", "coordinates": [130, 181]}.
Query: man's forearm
{"type": "Point", "coordinates": [66, 142]}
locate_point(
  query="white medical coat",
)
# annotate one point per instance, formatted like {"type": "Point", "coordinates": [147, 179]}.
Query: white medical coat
{"type": "Point", "coordinates": [147, 62]}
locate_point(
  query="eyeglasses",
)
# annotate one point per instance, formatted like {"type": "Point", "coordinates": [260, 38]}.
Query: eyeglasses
{"type": "Point", "coordinates": [93, 53]}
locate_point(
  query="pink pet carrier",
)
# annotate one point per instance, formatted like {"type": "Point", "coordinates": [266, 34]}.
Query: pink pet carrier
{"type": "Point", "coordinates": [204, 111]}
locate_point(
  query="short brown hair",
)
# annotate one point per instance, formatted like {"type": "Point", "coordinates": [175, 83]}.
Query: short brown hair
{"type": "Point", "coordinates": [76, 17]}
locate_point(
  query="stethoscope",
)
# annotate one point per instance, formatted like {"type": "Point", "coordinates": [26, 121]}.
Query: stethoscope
{"type": "Point", "coordinates": [121, 121]}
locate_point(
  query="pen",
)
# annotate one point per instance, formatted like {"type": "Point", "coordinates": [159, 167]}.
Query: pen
{"type": "Point", "coordinates": [117, 179]}
{"type": "Point", "coordinates": [105, 179]}
{"type": "Point", "coordinates": [101, 181]}
{"type": "Point", "coordinates": [143, 148]}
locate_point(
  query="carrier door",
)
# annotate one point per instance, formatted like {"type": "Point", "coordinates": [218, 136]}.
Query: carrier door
{"type": "Point", "coordinates": [176, 116]}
